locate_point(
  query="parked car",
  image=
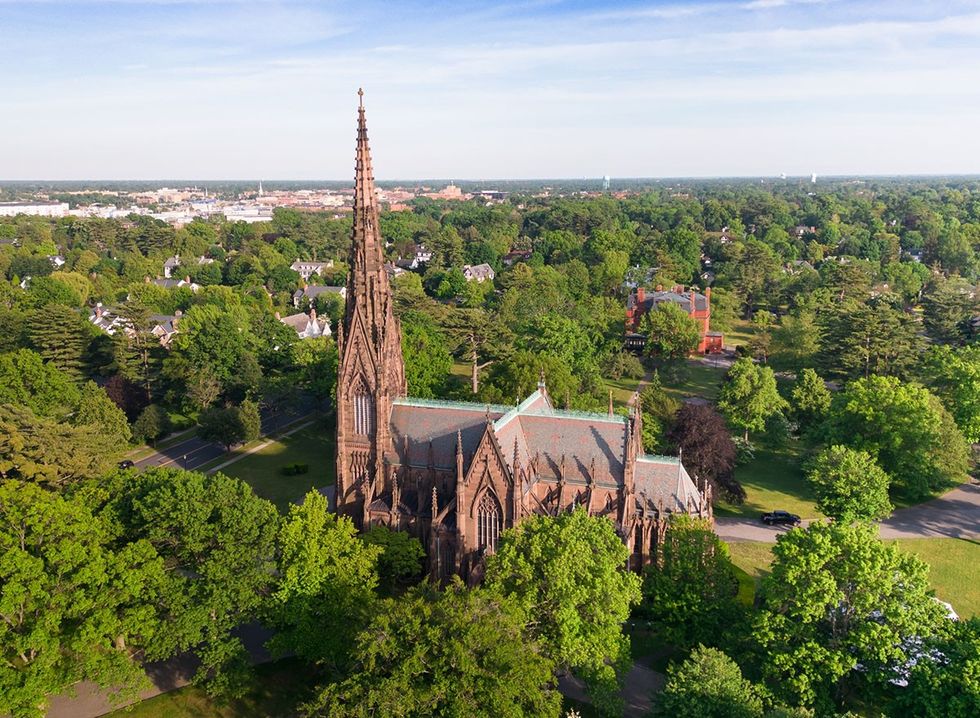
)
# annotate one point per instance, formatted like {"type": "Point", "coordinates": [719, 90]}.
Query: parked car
{"type": "Point", "coordinates": [774, 518]}
{"type": "Point", "coordinates": [126, 464]}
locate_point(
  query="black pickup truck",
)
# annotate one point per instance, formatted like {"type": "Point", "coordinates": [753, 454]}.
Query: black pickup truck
{"type": "Point", "coordinates": [780, 517]}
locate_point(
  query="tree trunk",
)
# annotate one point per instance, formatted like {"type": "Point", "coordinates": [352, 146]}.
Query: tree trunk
{"type": "Point", "coordinates": [476, 373]}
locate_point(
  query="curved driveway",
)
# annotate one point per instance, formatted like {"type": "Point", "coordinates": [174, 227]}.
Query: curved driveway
{"type": "Point", "coordinates": [953, 515]}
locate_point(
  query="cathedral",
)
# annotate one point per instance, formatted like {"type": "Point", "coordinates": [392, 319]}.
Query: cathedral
{"type": "Point", "coordinates": [456, 474]}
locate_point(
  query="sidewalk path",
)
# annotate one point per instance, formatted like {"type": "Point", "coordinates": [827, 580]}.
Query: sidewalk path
{"type": "Point", "coordinates": [953, 515]}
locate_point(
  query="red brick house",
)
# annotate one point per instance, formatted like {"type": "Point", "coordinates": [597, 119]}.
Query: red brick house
{"type": "Point", "coordinates": [697, 306]}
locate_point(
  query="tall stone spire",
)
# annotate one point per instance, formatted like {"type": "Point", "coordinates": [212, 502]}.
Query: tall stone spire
{"type": "Point", "coordinates": [366, 249]}
{"type": "Point", "coordinates": [367, 282]}
{"type": "Point", "coordinates": [371, 374]}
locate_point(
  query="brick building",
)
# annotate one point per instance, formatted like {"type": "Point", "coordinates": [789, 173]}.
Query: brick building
{"type": "Point", "coordinates": [456, 474]}
{"type": "Point", "coordinates": [698, 306]}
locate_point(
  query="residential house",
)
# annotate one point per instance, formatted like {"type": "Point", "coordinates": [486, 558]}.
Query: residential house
{"type": "Point", "coordinates": [306, 269]}
{"type": "Point", "coordinates": [170, 265]}
{"type": "Point", "coordinates": [478, 273]}
{"type": "Point", "coordinates": [57, 261]}
{"type": "Point", "coordinates": [516, 255]}
{"type": "Point", "coordinates": [307, 326]}
{"type": "Point", "coordinates": [312, 291]}
{"type": "Point", "coordinates": [421, 256]}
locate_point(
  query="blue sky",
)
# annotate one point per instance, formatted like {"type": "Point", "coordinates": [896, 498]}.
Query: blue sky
{"type": "Point", "coordinates": [252, 88]}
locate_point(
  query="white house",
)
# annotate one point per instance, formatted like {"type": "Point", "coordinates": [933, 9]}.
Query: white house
{"type": "Point", "coordinates": [478, 272]}
{"type": "Point", "coordinates": [307, 269]}
{"type": "Point", "coordinates": [170, 265]}
{"type": "Point", "coordinates": [305, 325]}
{"type": "Point", "coordinates": [312, 291]}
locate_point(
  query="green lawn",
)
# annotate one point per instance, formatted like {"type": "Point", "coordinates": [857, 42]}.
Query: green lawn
{"type": "Point", "coordinates": [740, 334]}
{"type": "Point", "coordinates": [954, 567]}
{"type": "Point", "coordinates": [279, 687]}
{"type": "Point", "coordinates": [693, 378]}
{"type": "Point", "coordinates": [773, 480]}
{"type": "Point", "coordinates": [263, 469]}
{"type": "Point", "coordinates": [622, 389]}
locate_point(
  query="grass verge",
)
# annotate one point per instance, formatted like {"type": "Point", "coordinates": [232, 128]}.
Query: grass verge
{"type": "Point", "coordinates": [774, 480]}
{"type": "Point", "coordinates": [262, 470]}
{"type": "Point", "coordinates": [954, 567]}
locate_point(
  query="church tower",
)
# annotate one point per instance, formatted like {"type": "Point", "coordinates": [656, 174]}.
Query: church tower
{"type": "Point", "coordinates": [371, 372]}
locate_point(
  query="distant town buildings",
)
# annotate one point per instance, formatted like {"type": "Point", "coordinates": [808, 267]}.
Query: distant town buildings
{"type": "Point", "coordinates": [34, 209]}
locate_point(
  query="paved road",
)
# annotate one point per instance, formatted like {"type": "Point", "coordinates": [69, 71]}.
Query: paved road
{"type": "Point", "coordinates": [193, 452]}
{"type": "Point", "coordinates": [953, 515]}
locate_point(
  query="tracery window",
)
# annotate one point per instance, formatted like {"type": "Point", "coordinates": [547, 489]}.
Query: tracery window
{"type": "Point", "coordinates": [488, 523]}
{"type": "Point", "coordinates": [363, 413]}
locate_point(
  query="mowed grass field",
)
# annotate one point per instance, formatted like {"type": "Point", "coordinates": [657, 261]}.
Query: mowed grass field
{"type": "Point", "coordinates": [773, 480]}
{"type": "Point", "coordinates": [313, 445]}
{"type": "Point", "coordinates": [954, 568]}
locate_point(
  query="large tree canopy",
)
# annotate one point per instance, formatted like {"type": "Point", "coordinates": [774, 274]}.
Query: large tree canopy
{"type": "Point", "coordinates": [749, 396]}
{"type": "Point", "coordinates": [73, 607]}
{"type": "Point", "coordinates": [455, 653]}
{"type": "Point", "coordinates": [327, 579]}
{"type": "Point", "coordinates": [840, 612]}
{"type": "Point", "coordinates": [849, 484]}
{"type": "Point", "coordinates": [907, 430]}
{"type": "Point", "coordinates": [690, 590]}
{"type": "Point", "coordinates": [567, 572]}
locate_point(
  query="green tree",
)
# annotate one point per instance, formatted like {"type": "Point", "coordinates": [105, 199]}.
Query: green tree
{"type": "Point", "coordinates": [453, 653]}
{"type": "Point", "coordinates": [796, 341]}
{"type": "Point", "coordinates": [73, 607]}
{"type": "Point", "coordinates": [46, 451]}
{"type": "Point", "coordinates": [659, 409]}
{"type": "Point", "coordinates": [907, 430]}
{"type": "Point", "coordinates": [690, 590]}
{"type": "Point", "coordinates": [152, 423]}
{"type": "Point", "coordinates": [849, 484]}
{"type": "Point", "coordinates": [708, 684]}
{"type": "Point", "coordinates": [326, 588]}
{"type": "Point", "coordinates": [760, 343]}
{"type": "Point", "coordinates": [838, 598]}
{"type": "Point", "coordinates": [567, 573]}
{"type": "Point", "coordinates": [861, 339]}
{"type": "Point", "coordinates": [749, 396]}
{"type": "Point", "coordinates": [61, 336]}
{"type": "Point", "coordinates": [230, 425]}
{"type": "Point", "coordinates": [401, 560]}
{"type": "Point", "coordinates": [217, 539]}
{"type": "Point", "coordinates": [251, 420]}
{"type": "Point", "coordinates": [810, 399]}
{"type": "Point", "coordinates": [426, 355]}
{"type": "Point", "coordinates": [315, 363]}
{"type": "Point", "coordinates": [947, 306]}
{"type": "Point", "coordinates": [96, 409]}
{"type": "Point", "coordinates": [671, 332]}
{"type": "Point", "coordinates": [945, 684]}
{"type": "Point", "coordinates": [954, 376]}
{"type": "Point", "coordinates": [26, 380]}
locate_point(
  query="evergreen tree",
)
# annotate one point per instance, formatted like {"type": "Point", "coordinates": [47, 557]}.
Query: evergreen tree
{"type": "Point", "coordinates": [60, 335]}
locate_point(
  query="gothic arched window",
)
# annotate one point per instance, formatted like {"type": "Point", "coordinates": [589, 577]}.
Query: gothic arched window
{"type": "Point", "coordinates": [363, 412]}
{"type": "Point", "coordinates": [487, 523]}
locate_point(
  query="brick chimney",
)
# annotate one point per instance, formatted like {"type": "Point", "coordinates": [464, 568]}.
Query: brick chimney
{"type": "Point", "coordinates": [694, 305]}
{"type": "Point", "coordinates": [641, 295]}
{"type": "Point", "coordinates": [278, 316]}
